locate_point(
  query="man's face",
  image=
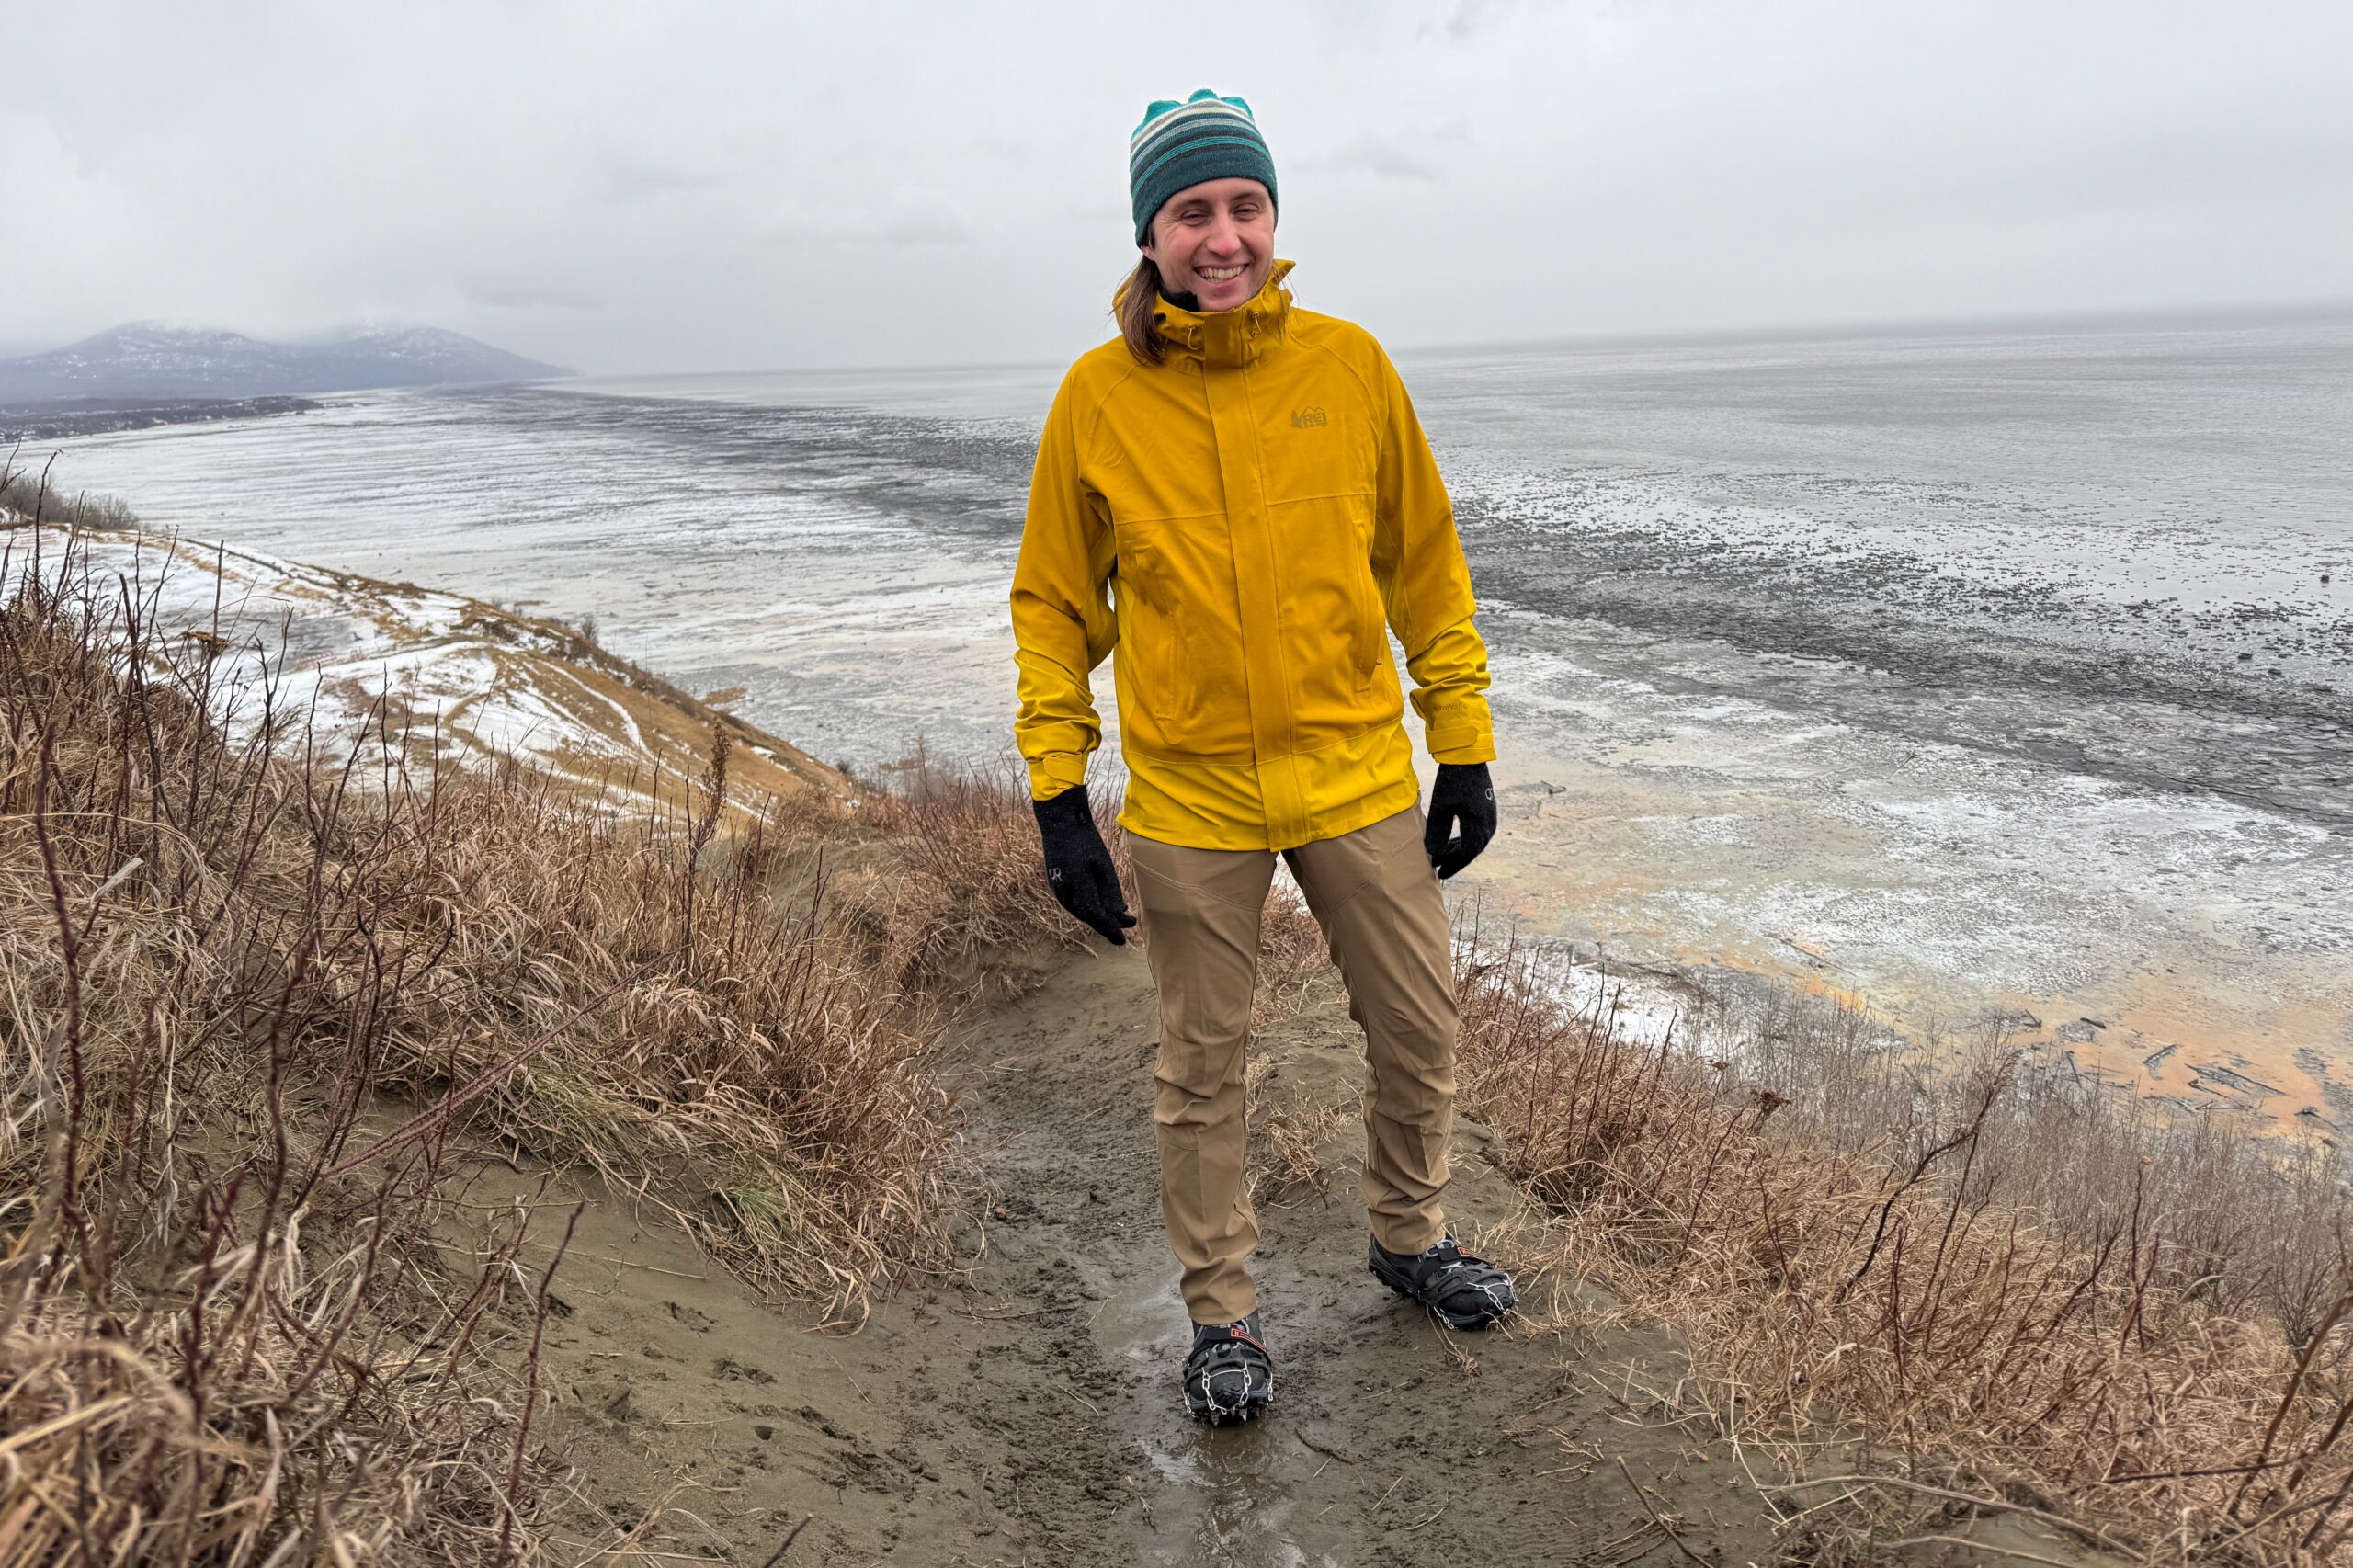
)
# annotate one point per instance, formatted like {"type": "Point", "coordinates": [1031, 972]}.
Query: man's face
{"type": "Point", "coordinates": [1215, 241]}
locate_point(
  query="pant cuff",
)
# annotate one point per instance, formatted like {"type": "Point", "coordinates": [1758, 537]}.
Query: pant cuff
{"type": "Point", "coordinates": [1408, 1237]}
{"type": "Point", "coordinates": [1213, 1310]}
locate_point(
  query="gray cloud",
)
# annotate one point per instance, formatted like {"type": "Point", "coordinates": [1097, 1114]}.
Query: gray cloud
{"type": "Point", "coordinates": [1417, 152]}
{"type": "Point", "coordinates": [523, 294]}
{"type": "Point", "coordinates": [741, 185]}
{"type": "Point", "coordinates": [907, 218]}
{"type": "Point", "coordinates": [1462, 20]}
{"type": "Point", "coordinates": [631, 179]}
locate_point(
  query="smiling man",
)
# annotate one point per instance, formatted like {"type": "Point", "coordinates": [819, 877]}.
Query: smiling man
{"type": "Point", "coordinates": [1236, 497]}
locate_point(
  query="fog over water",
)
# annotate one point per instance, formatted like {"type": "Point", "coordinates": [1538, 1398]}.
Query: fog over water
{"type": "Point", "coordinates": [2001, 668]}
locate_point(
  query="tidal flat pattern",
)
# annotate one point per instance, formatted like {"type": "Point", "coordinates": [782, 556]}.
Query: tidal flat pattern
{"type": "Point", "coordinates": [1983, 674]}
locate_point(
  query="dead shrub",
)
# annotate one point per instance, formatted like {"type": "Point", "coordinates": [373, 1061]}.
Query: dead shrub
{"type": "Point", "coordinates": [225, 1333]}
{"type": "Point", "coordinates": [25, 496]}
{"type": "Point", "coordinates": [968, 887]}
{"type": "Point", "coordinates": [2019, 1289]}
{"type": "Point", "coordinates": [264, 993]}
{"type": "Point", "coordinates": [1286, 1139]}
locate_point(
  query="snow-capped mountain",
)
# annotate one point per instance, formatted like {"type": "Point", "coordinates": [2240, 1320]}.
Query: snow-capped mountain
{"type": "Point", "coordinates": [149, 359]}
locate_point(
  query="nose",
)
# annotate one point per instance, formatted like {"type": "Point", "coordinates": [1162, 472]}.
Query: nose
{"type": "Point", "coordinates": [1225, 235]}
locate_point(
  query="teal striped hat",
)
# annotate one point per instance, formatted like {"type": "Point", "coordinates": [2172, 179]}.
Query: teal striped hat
{"type": "Point", "coordinates": [1204, 137]}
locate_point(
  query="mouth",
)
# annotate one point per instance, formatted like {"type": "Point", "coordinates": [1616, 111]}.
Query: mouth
{"type": "Point", "coordinates": [1218, 273]}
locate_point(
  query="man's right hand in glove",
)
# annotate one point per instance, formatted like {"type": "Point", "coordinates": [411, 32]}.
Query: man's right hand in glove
{"type": "Point", "coordinates": [1078, 866]}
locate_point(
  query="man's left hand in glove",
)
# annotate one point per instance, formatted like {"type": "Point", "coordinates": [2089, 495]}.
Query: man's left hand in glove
{"type": "Point", "coordinates": [1462, 799]}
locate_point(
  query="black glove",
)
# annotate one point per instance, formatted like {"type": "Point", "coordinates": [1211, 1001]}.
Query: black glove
{"type": "Point", "coordinates": [1463, 796]}
{"type": "Point", "coordinates": [1078, 867]}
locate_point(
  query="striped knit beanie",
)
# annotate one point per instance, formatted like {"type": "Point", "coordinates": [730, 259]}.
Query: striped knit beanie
{"type": "Point", "coordinates": [1204, 137]}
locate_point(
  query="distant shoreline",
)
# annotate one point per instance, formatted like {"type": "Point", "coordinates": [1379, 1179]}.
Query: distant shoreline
{"type": "Point", "coordinates": [61, 417]}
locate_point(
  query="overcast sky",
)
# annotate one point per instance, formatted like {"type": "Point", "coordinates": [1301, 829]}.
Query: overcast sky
{"type": "Point", "coordinates": [642, 187]}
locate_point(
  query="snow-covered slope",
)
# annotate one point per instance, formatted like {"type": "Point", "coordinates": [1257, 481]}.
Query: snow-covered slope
{"type": "Point", "coordinates": [383, 668]}
{"type": "Point", "coordinates": [149, 359]}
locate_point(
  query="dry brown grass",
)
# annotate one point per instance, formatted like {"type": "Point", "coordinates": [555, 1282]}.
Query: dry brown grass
{"type": "Point", "coordinates": [222, 1334]}
{"type": "Point", "coordinates": [258, 1011]}
{"type": "Point", "coordinates": [2009, 1286]}
{"type": "Point", "coordinates": [1295, 972]}
{"type": "Point", "coordinates": [967, 899]}
{"type": "Point", "coordinates": [1286, 1139]}
{"type": "Point", "coordinates": [1295, 969]}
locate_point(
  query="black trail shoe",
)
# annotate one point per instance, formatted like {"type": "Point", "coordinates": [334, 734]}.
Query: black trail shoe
{"type": "Point", "coordinates": [1229, 1376]}
{"type": "Point", "coordinates": [1460, 1291]}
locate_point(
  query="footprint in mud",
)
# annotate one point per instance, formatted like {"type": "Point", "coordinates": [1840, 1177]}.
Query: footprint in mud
{"type": "Point", "coordinates": [727, 1369]}
{"type": "Point", "coordinates": [1226, 1496]}
{"type": "Point", "coordinates": [700, 1321]}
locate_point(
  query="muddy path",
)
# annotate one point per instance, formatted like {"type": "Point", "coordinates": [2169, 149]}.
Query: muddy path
{"type": "Point", "coordinates": [1028, 1413]}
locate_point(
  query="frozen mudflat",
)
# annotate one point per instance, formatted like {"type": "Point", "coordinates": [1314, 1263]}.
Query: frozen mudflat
{"type": "Point", "coordinates": [1990, 676]}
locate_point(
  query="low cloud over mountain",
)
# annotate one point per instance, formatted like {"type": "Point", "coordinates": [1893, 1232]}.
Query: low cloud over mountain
{"type": "Point", "coordinates": [145, 360]}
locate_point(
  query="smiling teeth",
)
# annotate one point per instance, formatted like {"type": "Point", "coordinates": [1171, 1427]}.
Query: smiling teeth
{"type": "Point", "coordinates": [1219, 275]}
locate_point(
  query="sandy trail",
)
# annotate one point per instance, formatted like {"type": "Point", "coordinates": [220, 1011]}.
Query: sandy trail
{"type": "Point", "coordinates": [1028, 1413]}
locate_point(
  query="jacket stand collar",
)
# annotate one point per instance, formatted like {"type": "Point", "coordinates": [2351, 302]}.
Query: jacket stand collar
{"type": "Point", "coordinates": [1225, 339]}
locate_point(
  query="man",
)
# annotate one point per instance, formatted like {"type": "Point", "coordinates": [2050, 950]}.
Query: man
{"type": "Point", "coordinates": [1236, 497]}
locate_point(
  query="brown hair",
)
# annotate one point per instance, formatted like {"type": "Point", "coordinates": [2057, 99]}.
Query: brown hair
{"type": "Point", "coordinates": [1132, 305]}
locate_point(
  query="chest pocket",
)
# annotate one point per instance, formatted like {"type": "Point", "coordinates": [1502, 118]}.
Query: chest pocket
{"type": "Point", "coordinates": [1154, 459]}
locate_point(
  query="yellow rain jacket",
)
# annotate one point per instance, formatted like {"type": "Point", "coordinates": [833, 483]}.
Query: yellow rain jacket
{"type": "Point", "coordinates": [1244, 524]}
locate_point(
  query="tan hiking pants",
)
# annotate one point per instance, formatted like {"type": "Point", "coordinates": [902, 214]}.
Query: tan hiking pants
{"type": "Point", "coordinates": [1377, 900]}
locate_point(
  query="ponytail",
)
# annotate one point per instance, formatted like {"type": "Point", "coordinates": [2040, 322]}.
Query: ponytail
{"type": "Point", "coordinates": [1133, 306]}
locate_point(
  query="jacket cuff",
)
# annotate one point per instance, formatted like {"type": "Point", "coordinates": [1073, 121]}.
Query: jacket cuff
{"type": "Point", "coordinates": [1055, 772]}
{"type": "Point", "coordinates": [1461, 744]}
